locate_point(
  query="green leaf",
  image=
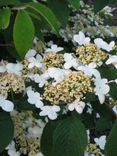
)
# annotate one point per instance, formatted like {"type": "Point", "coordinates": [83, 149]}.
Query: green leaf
{"type": "Point", "coordinates": [60, 8]}
{"type": "Point", "coordinates": [111, 145]}
{"type": "Point", "coordinates": [5, 14]}
{"type": "Point", "coordinates": [22, 104]}
{"type": "Point", "coordinates": [75, 3]}
{"type": "Point", "coordinates": [113, 90]}
{"type": "Point", "coordinates": [9, 2]}
{"type": "Point", "coordinates": [47, 14]}
{"type": "Point", "coordinates": [23, 33]}
{"type": "Point", "coordinates": [99, 4]}
{"type": "Point", "coordinates": [109, 73]}
{"type": "Point", "coordinates": [6, 130]}
{"type": "Point", "coordinates": [47, 138]}
{"type": "Point", "coordinates": [70, 138]}
{"type": "Point", "coordinates": [103, 110]}
{"type": "Point", "coordinates": [102, 124]}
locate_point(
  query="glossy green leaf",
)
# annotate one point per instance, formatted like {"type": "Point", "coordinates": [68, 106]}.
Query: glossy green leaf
{"type": "Point", "coordinates": [111, 145]}
{"type": "Point", "coordinates": [103, 110]}
{"type": "Point", "coordinates": [47, 14]}
{"type": "Point", "coordinates": [47, 138]}
{"type": "Point", "coordinates": [6, 130]}
{"type": "Point", "coordinates": [9, 2]}
{"type": "Point", "coordinates": [75, 3]}
{"type": "Point", "coordinates": [70, 138]}
{"type": "Point", "coordinates": [102, 124]}
{"type": "Point", "coordinates": [5, 14]}
{"type": "Point", "coordinates": [23, 33]}
{"type": "Point", "coordinates": [60, 9]}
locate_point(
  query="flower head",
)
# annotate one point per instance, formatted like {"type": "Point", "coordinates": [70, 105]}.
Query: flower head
{"type": "Point", "coordinates": [76, 105]}
{"type": "Point", "coordinates": [101, 88]}
{"type": "Point", "coordinates": [54, 48]}
{"type": "Point", "coordinates": [70, 61]}
{"type": "Point", "coordinates": [34, 98]}
{"type": "Point", "coordinates": [6, 105]}
{"type": "Point", "coordinates": [101, 141]}
{"type": "Point", "coordinates": [100, 43]}
{"type": "Point", "coordinates": [112, 60]}
{"type": "Point", "coordinates": [50, 111]}
{"type": "Point", "coordinates": [35, 62]}
{"type": "Point", "coordinates": [15, 68]}
{"type": "Point", "coordinates": [81, 39]}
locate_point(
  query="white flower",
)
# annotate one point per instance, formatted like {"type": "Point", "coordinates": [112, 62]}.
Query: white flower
{"type": "Point", "coordinates": [6, 105]}
{"type": "Point", "coordinates": [116, 81]}
{"type": "Point", "coordinates": [101, 88]}
{"type": "Point", "coordinates": [81, 39]}
{"type": "Point", "coordinates": [54, 48]}
{"type": "Point", "coordinates": [34, 98]}
{"type": "Point", "coordinates": [15, 68]}
{"type": "Point", "coordinates": [112, 60]}
{"type": "Point", "coordinates": [35, 62]}
{"type": "Point", "coordinates": [30, 53]}
{"type": "Point", "coordinates": [50, 111]}
{"type": "Point", "coordinates": [70, 61]}
{"type": "Point", "coordinates": [2, 67]}
{"type": "Point", "coordinates": [76, 105]}
{"type": "Point", "coordinates": [115, 109]}
{"type": "Point", "coordinates": [39, 154]}
{"type": "Point", "coordinates": [101, 141]}
{"type": "Point", "coordinates": [100, 43]}
{"type": "Point", "coordinates": [57, 73]}
{"type": "Point", "coordinates": [89, 70]}
{"type": "Point", "coordinates": [13, 153]}
{"type": "Point", "coordinates": [35, 132]}
{"type": "Point", "coordinates": [11, 149]}
{"type": "Point", "coordinates": [41, 79]}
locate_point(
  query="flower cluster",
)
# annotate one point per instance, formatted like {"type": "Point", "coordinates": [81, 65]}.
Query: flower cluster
{"type": "Point", "coordinates": [55, 83]}
{"type": "Point", "coordinates": [92, 24]}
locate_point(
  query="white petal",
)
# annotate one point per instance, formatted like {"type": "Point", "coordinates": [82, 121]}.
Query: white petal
{"type": "Point", "coordinates": [30, 53]}
{"type": "Point", "coordinates": [39, 104]}
{"type": "Point", "coordinates": [71, 107]}
{"type": "Point", "coordinates": [67, 65]}
{"type": "Point", "coordinates": [56, 108]}
{"type": "Point", "coordinates": [52, 115]}
{"type": "Point", "coordinates": [8, 106]}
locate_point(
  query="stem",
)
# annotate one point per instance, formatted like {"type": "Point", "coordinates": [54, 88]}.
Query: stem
{"type": "Point", "coordinates": [6, 45]}
{"type": "Point", "coordinates": [19, 8]}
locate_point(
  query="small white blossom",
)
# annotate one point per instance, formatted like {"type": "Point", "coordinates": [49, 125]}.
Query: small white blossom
{"type": "Point", "coordinates": [39, 154]}
{"type": "Point", "coordinates": [35, 62]}
{"type": "Point", "coordinates": [14, 68]}
{"type": "Point", "coordinates": [30, 53]}
{"type": "Point", "coordinates": [2, 67]}
{"type": "Point", "coordinates": [41, 79]}
{"type": "Point", "coordinates": [81, 39]}
{"type": "Point", "coordinates": [101, 88]}
{"type": "Point", "coordinates": [76, 105]}
{"type": "Point", "coordinates": [89, 70]}
{"type": "Point", "coordinates": [100, 43]}
{"type": "Point", "coordinates": [58, 74]}
{"type": "Point", "coordinates": [6, 105]}
{"type": "Point", "coordinates": [101, 141]}
{"type": "Point", "coordinates": [35, 132]}
{"type": "Point", "coordinates": [11, 149]}
{"type": "Point", "coordinates": [34, 98]}
{"type": "Point", "coordinates": [70, 61]}
{"type": "Point", "coordinates": [115, 109]}
{"type": "Point", "coordinates": [54, 48]}
{"type": "Point", "coordinates": [112, 60]}
{"type": "Point", "coordinates": [50, 111]}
